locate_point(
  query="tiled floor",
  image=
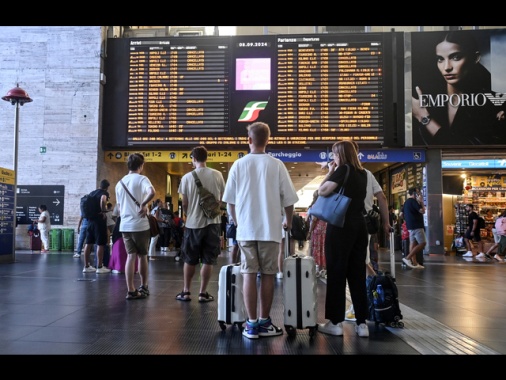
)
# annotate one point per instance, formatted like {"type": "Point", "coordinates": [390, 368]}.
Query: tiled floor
{"type": "Point", "coordinates": [49, 307]}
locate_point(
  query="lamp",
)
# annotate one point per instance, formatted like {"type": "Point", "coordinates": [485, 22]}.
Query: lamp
{"type": "Point", "coordinates": [17, 97]}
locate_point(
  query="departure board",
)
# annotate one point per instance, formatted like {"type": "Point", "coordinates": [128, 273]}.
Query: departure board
{"type": "Point", "coordinates": [326, 86]}
{"type": "Point", "coordinates": [312, 90]}
{"type": "Point", "coordinates": [176, 89]}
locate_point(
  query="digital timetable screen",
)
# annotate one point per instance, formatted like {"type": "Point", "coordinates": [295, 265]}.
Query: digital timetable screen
{"type": "Point", "coordinates": [312, 90]}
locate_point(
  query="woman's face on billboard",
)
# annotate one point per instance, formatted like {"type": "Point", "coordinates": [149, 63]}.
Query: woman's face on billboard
{"type": "Point", "coordinates": [453, 64]}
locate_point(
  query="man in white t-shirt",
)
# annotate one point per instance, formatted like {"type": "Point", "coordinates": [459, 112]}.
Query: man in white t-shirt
{"type": "Point", "coordinates": [258, 190]}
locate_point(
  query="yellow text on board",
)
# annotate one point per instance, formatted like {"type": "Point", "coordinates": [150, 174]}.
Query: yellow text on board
{"type": "Point", "coordinates": [7, 176]}
{"type": "Point", "coordinates": [174, 155]}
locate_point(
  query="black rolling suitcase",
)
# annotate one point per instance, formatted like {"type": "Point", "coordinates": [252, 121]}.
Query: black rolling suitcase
{"type": "Point", "coordinates": [299, 292]}
{"type": "Point", "coordinates": [382, 295]}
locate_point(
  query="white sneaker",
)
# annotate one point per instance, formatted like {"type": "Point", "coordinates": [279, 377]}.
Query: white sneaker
{"type": "Point", "coordinates": [330, 328]}
{"type": "Point", "coordinates": [498, 258]}
{"type": "Point", "coordinates": [115, 271]}
{"type": "Point", "coordinates": [418, 266]}
{"type": "Point", "coordinates": [89, 269]}
{"type": "Point", "coordinates": [481, 255]}
{"type": "Point", "coordinates": [349, 315]}
{"type": "Point", "coordinates": [279, 275]}
{"type": "Point", "coordinates": [103, 269]}
{"type": "Point", "coordinates": [362, 330]}
{"type": "Point", "coordinates": [468, 254]}
{"type": "Point", "coordinates": [407, 262]}
{"type": "Point", "coordinates": [77, 255]}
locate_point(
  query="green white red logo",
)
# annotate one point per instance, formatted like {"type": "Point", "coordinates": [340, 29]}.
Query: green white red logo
{"type": "Point", "coordinates": [252, 111]}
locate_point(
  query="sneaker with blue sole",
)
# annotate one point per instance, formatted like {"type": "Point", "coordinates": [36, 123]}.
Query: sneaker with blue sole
{"type": "Point", "coordinates": [266, 328]}
{"type": "Point", "coordinates": [250, 330]}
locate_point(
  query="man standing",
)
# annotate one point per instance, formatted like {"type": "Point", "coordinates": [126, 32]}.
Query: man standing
{"type": "Point", "coordinates": [134, 225]}
{"type": "Point", "coordinates": [96, 230]}
{"type": "Point", "coordinates": [473, 233]}
{"type": "Point", "coordinates": [259, 188]}
{"type": "Point", "coordinates": [202, 236]}
{"type": "Point", "coordinates": [413, 214]}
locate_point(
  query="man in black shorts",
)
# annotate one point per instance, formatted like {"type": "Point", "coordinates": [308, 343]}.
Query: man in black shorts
{"type": "Point", "coordinates": [473, 233]}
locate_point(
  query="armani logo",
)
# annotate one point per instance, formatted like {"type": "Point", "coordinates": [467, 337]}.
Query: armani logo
{"type": "Point", "coordinates": [498, 99]}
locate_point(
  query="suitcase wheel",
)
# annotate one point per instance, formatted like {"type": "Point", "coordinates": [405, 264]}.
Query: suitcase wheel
{"type": "Point", "coordinates": [400, 324]}
{"type": "Point", "coordinates": [312, 331]}
{"type": "Point", "coordinates": [223, 326]}
{"type": "Point", "coordinates": [240, 326]}
{"type": "Point", "coordinates": [392, 324]}
{"type": "Point", "coordinates": [290, 330]}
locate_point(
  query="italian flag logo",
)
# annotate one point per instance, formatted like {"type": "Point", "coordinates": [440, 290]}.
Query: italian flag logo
{"type": "Point", "coordinates": [252, 110]}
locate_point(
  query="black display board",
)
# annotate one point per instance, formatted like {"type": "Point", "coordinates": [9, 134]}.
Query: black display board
{"type": "Point", "coordinates": [311, 89]}
{"type": "Point", "coordinates": [29, 198]}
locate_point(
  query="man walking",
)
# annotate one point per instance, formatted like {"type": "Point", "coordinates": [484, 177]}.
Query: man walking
{"type": "Point", "coordinates": [202, 235]}
{"type": "Point", "coordinates": [413, 214]}
{"type": "Point", "coordinates": [259, 188]}
{"type": "Point", "coordinates": [134, 225]}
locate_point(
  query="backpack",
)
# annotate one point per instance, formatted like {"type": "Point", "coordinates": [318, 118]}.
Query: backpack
{"type": "Point", "coordinates": [372, 220]}
{"type": "Point", "coordinates": [90, 206]}
{"type": "Point", "coordinates": [298, 232]}
{"type": "Point", "coordinates": [481, 222]}
{"type": "Point", "coordinates": [383, 300]}
{"type": "Point", "coordinates": [207, 201]}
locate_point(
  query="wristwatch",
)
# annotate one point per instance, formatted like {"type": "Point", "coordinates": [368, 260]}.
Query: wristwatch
{"type": "Point", "coordinates": [425, 120]}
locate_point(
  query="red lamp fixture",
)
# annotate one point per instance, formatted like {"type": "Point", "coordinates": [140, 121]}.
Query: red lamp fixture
{"type": "Point", "coordinates": [17, 95]}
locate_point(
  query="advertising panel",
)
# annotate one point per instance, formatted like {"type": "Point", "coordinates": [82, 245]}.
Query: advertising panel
{"type": "Point", "coordinates": [458, 86]}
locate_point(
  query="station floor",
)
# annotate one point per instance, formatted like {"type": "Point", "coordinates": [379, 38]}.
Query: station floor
{"type": "Point", "coordinates": [453, 307]}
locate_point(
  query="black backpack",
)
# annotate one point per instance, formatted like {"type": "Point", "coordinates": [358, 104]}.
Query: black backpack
{"type": "Point", "coordinates": [90, 205]}
{"type": "Point", "coordinates": [383, 300]}
{"type": "Point", "coordinates": [298, 232]}
{"type": "Point", "coordinates": [481, 222]}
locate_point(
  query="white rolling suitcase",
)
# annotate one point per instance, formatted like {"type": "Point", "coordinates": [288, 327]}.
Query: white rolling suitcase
{"type": "Point", "coordinates": [299, 293]}
{"type": "Point", "coordinates": [231, 308]}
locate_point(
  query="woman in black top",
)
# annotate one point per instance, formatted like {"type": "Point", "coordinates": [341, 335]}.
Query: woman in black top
{"type": "Point", "coordinates": [346, 247]}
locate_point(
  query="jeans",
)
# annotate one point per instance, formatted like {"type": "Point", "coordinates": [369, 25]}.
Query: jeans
{"type": "Point", "coordinates": [82, 236]}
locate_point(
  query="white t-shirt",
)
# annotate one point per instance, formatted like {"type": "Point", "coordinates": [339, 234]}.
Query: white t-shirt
{"type": "Point", "coordinates": [138, 185]}
{"type": "Point", "coordinates": [46, 225]}
{"type": "Point", "coordinates": [213, 181]}
{"type": "Point", "coordinates": [373, 187]}
{"type": "Point", "coordinates": [260, 187]}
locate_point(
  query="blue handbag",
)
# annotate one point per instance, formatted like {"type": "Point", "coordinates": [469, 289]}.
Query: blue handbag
{"type": "Point", "coordinates": [332, 208]}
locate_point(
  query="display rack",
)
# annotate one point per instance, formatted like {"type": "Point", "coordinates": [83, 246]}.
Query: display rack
{"type": "Point", "coordinates": [461, 222]}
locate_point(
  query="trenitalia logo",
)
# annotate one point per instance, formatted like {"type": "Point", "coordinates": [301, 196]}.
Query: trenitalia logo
{"type": "Point", "coordinates": [456, 100]}
{"type": "Point", "coordinates": [252, 110]}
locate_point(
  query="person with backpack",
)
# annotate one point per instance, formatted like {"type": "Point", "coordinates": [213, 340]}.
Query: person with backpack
{"type": "Point", "coordinates": [94, 209]}
{"type": "Point", "coordinates": [499, 232]}
{"type": "Point", "coordinates": [473, 233]}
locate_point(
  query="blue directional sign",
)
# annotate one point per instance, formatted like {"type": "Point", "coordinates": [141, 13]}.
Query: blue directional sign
{"type": "Point", "coordinates": [366, 155]}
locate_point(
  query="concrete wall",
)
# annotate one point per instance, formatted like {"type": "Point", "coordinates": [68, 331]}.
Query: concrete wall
{"type": "Point", "coordinates": [59, 68]}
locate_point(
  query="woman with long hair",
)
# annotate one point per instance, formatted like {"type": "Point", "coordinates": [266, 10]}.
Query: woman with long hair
{"type": "Point", "coordinates": [346, 247]}
{"type": "Point", "coordinates": [456, 109]}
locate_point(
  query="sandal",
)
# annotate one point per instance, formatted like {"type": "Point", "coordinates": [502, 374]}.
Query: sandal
{"type": "Point", "coordinates": [135, 295]}
{"type": "Point", "coordinates": [183, 296]}
{"type": "Point", "coordinates": [205, 297]}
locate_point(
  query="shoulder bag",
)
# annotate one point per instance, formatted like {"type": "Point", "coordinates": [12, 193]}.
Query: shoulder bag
{"type": "Point", "coordinates": [207, 201]}
{"type": "Point", "coordinates": [154, 230]}
{"type": "Point", "coordinates": [332, 208]}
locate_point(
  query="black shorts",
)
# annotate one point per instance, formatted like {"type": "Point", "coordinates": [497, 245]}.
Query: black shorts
{"type": "Point", "coordinates": [201, 245]}
{"type": "Point", "coordinates": [96, 231]}
{"type": "Point", "coordinates": [476, 237]}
